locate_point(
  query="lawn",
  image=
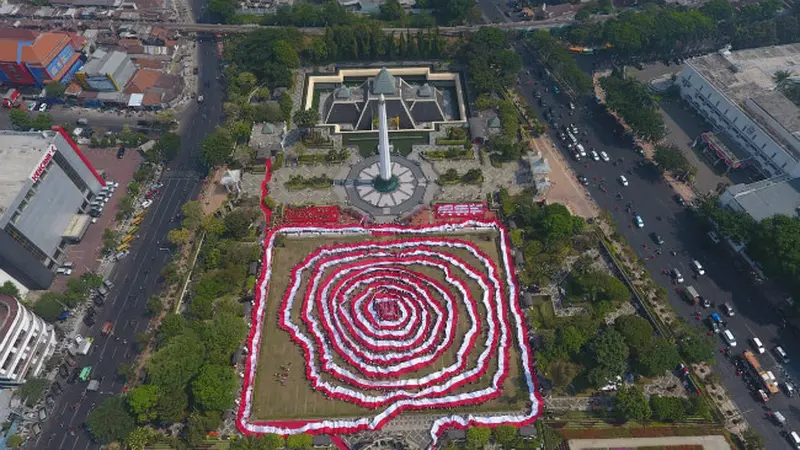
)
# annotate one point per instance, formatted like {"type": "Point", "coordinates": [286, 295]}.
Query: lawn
{"type": "Point", "coordinates": [295, 399]}
{"type": "Point", "coordinates": [367, 142]}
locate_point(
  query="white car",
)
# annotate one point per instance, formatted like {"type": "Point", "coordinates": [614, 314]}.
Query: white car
{"type": "Point", "coordinates": [623, 180]}
{"type": "Point", "coordinates": [113, 184]}
{"type": "Point", "coordinates": [595, 156]}
{"type": "Point", "coordinates": [146, 203]}
{"type": "Point", "coordinates": [604, 157]}
{"type": "Point", "coordinates": [639, 222]}
{"type": "Point", "coordinates": [729, 338]}
{"type": "Point", "coordinates": [64, 271]}
{"type": "Point", "coordinates": [43, 107]}
{"type": "Point", "coordinates": [697, 267]}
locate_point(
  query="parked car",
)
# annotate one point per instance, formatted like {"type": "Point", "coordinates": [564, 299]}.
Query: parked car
{"type": "Point", "coordinates": [146, 203]}
{"type": "Point", "coordinates": [43, 107]}
{"type": "Point", "coordinates": [639, 221]}
{"type": "Point", "coordinates": [604, 157]}
{"type": "Point", "coordinates": [623, 181]}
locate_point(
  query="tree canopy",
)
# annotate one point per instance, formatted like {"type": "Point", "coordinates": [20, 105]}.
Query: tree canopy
{"type": "Point", "coordinates": [631, 404]}
{"type": "Point", "coordinates": [214, 387]}
{"type": "Point", "coordinates": [553, 54]}
{"type": "Point", "coordinates": [671, 159]}
{"type": "Point", "coordinates": [216, 148]}
{"type": "Point", "coordinates": [492, 64]}
{"type": "Point", "coordinates": [633, 101]}
{"type": "Point", "coordinates": [610, 356]}
{"type": "Point", "coordinates": [110, 421]}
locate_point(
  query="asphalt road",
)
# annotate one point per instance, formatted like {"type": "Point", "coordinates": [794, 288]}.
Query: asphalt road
{"type": "Point", "coordinates": [136, 276]}
{"type": "Point", "coordinates": [653, 200]}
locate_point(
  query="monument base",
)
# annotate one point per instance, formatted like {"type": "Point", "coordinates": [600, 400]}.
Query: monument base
{"type": "Point", "coordinates": [384, 186]}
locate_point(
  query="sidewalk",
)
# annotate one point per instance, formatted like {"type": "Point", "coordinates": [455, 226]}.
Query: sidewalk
{"type": "Point", "coordinates": [716, 442]}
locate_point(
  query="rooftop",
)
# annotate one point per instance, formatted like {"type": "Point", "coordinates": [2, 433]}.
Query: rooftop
{"type": "Point", "coordinates": [768, 198]}
{"type": "Point", "coordinates": [743, 74]}
{"type": "Point", "coordinates": [102, 62]}
{"type": "Point", "coordinates": [747, 78]}
{"type": "Point", "coordinates": [20, 152]}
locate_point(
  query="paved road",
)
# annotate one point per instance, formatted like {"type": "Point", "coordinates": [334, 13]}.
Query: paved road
{"type": "Point", "coordinates": [136, 276]}
{"type": "Point", "coordinates": [651, 198]}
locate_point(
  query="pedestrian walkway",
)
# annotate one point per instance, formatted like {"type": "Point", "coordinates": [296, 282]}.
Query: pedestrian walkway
{"type": "Point", "coordinates": [716, 442]}
{"type": "Point", "coordinates": [564, 186]}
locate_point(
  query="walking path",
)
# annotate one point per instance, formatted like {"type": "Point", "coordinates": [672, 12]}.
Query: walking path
{"type": "Point", "coordinates": [716, 442]}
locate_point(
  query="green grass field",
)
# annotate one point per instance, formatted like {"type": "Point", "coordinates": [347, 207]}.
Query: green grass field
{"type": "Point", "coordinates": [297, 400]}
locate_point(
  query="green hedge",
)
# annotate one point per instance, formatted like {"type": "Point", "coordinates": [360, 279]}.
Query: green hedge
{"type": "Point", "coordinates": [445, 141]}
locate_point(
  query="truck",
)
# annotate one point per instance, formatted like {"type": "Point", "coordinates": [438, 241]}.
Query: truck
{"type": "Point", "coordinates": [691, 295]}
{"type": "Point", "coordinates": [12, 98]}
{"type": "Point", "coordinates": [768, 380]}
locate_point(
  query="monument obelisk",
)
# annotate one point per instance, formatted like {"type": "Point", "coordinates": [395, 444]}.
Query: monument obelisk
{"type": "Point", "coordinates": [385, 182]}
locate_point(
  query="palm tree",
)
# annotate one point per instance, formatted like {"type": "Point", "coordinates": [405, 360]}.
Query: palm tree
{"type": "Point", "coordinates": [782, 76]}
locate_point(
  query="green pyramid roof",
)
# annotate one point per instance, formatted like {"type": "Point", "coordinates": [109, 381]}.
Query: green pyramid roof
{"type": "Point", "coordinates": [383, 83]}
{"type": "Point", "coordinates": [494, 122]}
{"type": "Point", "coordinates": [343, 93]}
{"type": "Point", "coordinates": [425, 90]}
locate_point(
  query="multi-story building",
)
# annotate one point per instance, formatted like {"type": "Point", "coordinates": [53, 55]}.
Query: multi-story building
{"type": "Point", "coordinates": [107, 71]}
{"type": "Point", "coordinates": [37, 59]}
{"type": "Point", "coordinates": [754, 123]}
{"type": "Point", "coordinates": [26, 342]}
{"type": "Point", "coordinates": [46, 184]}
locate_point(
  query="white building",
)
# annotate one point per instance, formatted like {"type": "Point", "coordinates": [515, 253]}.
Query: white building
{"type": "Point", "coordinates": [736, 93]}
{"type": "Point", "coordinates": [764, 199]}
{"type": "Point", "coordinates": [26, 341]}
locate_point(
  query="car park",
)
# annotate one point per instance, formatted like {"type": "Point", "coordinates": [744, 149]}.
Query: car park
{"type": "Point", "coordinates": [108, 284]}
{"type": "Point", "coordinates": [781, 354]}
{"type": "Point", "coordinates": [595, 155]}
{"type": "Point", "coordinates": [728, 310]}
{"type": "Point", "coordinates": [639, 222]}
{"type": "Point", "coordinates": [581, 150]}
{"type": "Point", "coordinates": [728, 336]}
{"type": "Point", "coordinates": [622, 180]}
{"type": "Point", "coordinates": [146, 203]}
{"type": "Point", "coordinates": [697, 267]}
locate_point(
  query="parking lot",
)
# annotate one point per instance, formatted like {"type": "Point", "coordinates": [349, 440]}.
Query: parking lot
{"type": "Point", "coordinates": [85, 256]}
{"type": "Point", "coordinates": [105, 120]}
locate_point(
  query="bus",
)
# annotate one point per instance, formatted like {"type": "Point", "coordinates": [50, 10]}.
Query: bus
{"type": "Point", "coordinates": [767, 378]}
{"type": "Point", "coordinates": [122, 247]}
{"type": "Point", "coordinates": [86, 372]}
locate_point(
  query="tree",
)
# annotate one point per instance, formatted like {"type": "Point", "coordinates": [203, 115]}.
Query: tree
{"type": "Point", "coordinates": [172, 406]}
{"type": "Point", "coordinates": [126, 205]}
{"type": "Point", "coordinates": [286, 55]}
{"type": "Point", "coordinates": [668, 409]}
{"type": "Point", "coordinates": [212, 225]}
{"type": "Point", "coordinates": [636, 330]}
{"type": "Point", "coordinates": [752, 440]}
{"type": "Point", "coordinates": [221, 11]}
{"type": "Point", "coordinates": [561, 373]}
{"type": "Point", "coordinates": [49, 306]}
{"type": "Point", "coordinates": [610, 355]}
{"type": "Point", "coordinates": [154, 306]}
{"type": "Point", "coordinates": [110, 421]}
{"type": "Point", "coordinates": [671, 159]}
{"type": "Point", "coordinates": [15, 440]}
{"type": "Point", "coordinates": [391, 11]}
{"type": "Point", "coordinates": [451, 12]}
{"type": "Point", "coordinates": [172, 366]}
{"type": "Point", "coordinates": [142, 401]}
{"type": "Point", "coordinates": [633, 102]}
{"type": "Point", "coordinates": [216, 148]}
{"type": "Point", "coordinates": [31, 391]}
{"type": "Point", "coordinates": [167, 147]}
{"type": "Point", "coordinates": [139, 438]}
{"type": "Point", "coordinates": [214, 387]}
{"type": "Point", "coordinates": [179, 236]}
{"type": "Point", "coordinates": [20, 119]}
{"type": "Point", "coordinates": [657, 357]}
{"type": "Point", "coordinates": [265, 442]}
{"type": "Point", "coordinates": [631, 404]}
{"type": "Point", "coordinates": [41, 122]}
{"type": "Point", "coordinates": [10, 289]}
{"type": "Point", "coordinates": [199, 425]}
{"type": "Point", "coordinates": [696, 347]}
{"type": "Point", "coordinates": [286, 104]}
{"type": "Point", "coordinates": [55, 89]}
{"type": "Point", "coordinates": [306, 118]}
{"type": "Point", "coordinates": [223, 336]}
{"type": "Point", "coordinates": [238, 222]}
{"type": "Point", "coordinates": [300, 442]}
{"type": "Point", "coordinates": [775, 244]}
{"type": "Point", "coordinates": [478, 437]}
{"type": "Point", "coordinates": [192, 212]}
{"type": "Point", "coordinates": [505, 435]}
